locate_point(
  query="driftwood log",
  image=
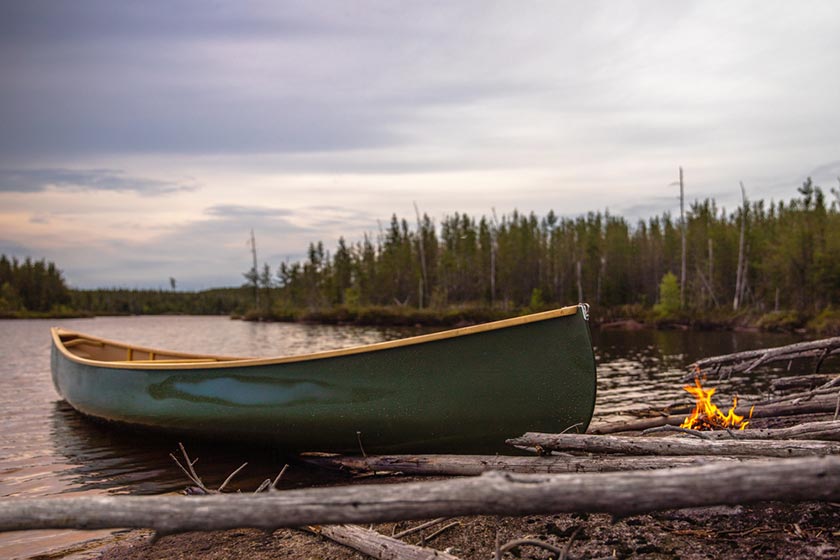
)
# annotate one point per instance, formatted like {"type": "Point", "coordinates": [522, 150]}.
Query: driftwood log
{"type": "Point", "coordinates": [472, 465]}
{"type": "Point", "coordinates": [493, 493]}
{"type": "Point", "coordinates": [634, 445]}
{"type": "Point", "coordinates": [825, 431]}
{"type": "Point", "coordinates": [378, 545]}
{"type": "Point", "coordinates": [724, 366]}
{"type": "Point", "coordinates": [803, 382]}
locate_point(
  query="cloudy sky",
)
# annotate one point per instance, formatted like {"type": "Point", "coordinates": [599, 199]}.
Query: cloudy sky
{"type": "Point", "coordinates": [143, 140]}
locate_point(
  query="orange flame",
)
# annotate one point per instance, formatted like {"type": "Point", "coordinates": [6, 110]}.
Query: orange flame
{"type": "Point", "coordinates": [707, 416]}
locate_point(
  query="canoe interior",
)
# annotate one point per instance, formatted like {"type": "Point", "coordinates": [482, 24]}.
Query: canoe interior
{"type": "Point", "coordinates": [101, 350]}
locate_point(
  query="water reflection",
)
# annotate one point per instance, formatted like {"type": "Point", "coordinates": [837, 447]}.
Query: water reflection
{"type": "Point", "coordinates": [116, 459]}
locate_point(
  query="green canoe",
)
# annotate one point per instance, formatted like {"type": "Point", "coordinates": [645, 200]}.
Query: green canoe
{"type": "Point", "coordinates": [463, 390]}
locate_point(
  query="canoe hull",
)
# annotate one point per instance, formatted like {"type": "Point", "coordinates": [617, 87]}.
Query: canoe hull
{"type": "Point", "coordinates": [465, 394]}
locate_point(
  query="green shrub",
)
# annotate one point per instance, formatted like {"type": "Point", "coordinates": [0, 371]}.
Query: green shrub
{"type": "Point", "coordinates": [784, 321]}
{"type": "Point", "coordinates": [827, 323]}
{"type": "Point", "coordinates": [669, 297]}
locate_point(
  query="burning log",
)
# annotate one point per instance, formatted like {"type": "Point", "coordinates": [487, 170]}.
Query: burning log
{"type": "Point", "coordinates": [472, 465]}
{"type": "Point", "coordinates": [707, 416]}
{"type": "Point", "coordinates": [493, 493]}
{"type": "Point", "coordinates": [725, 366]}
{"type": "Point", "coordinates": [629, 445]}
{"type": "Point", "coordinates": [815, 406]}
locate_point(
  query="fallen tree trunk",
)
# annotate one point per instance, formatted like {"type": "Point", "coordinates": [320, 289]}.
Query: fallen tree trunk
{"type": "Point", "coordinates": [493, 493]}
{"type": "Point", "coordinates": [760, 411]}
{"type": "Point", "coordinates": [747, 361]}
{"type": "Point", "coordinates": [471, 465]}
{"type": "Point", "coordinates": [634, 445]}
{"type": "Point", "coordinates": [378, 545]}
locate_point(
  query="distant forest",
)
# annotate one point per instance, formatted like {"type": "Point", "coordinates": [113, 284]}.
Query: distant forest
{"type": "Point", "coordinates": [781, 257]}
{"type": "Point", "coordinates": [765, 257]}
{"type": "Point", "coordinates": [37, 289]}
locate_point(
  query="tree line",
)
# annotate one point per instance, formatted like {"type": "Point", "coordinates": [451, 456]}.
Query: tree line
{"type": "Point", "coordinates": [781, 255]}
{"type": "Point", "coordinates": [34, 286]}
{"type": "Point", "coordinates": [759, 257]}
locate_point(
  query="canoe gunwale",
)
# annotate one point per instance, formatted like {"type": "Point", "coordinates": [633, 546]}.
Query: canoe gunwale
{"type": "Point", "coordinates": [207, 361]}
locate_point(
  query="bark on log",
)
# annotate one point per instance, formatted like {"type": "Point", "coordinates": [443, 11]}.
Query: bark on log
{"type": "Point", "coordinates": [760, 411]}
{"type": "Point", "coordinates": [805, 382]}
{"type": "Point", "coordinates": [747, 361]}
{"type": "Point", "coordinates": [493, 493]}
{"type": "Point", "coordinates": [472, 465]}
{"type": "Point", "coordinates": [378, 545]}
{"type": "Point", "coordinates": [634, 445]}
{"type": "Point", "coordinates": [825, 431]}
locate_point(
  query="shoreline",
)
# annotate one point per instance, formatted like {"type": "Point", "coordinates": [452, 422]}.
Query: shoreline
{"type": "Point", "coordinates": [624, 318]}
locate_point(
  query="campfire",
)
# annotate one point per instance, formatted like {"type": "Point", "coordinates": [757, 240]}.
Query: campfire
{"type": "Point", "coordinates": [707, 416]}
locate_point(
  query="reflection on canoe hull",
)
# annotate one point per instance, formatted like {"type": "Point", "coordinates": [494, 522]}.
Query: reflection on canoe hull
{"type": "Point", "coordinates": [464, 390]}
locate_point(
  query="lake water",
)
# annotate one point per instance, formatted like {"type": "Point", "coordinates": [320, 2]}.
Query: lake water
{"type": "Point", "coordinates": [48, 449]}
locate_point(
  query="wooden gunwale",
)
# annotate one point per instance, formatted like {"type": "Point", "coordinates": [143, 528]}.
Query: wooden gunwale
{"type": "Point", "coordinates": [201, 361]}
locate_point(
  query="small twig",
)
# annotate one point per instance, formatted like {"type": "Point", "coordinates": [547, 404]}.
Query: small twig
{"type": "Point", "coordinates": [437, 533]}
{"type": "Point", "coordinates": [191, 474]}
{"type": "Point", "coordinates": [420, 527]}
{"type": "Point", "coordinates": [669, 428]}
{"type": "Point", "coordinates": [579, 424]}
{"type": "Point", "coordinates": [837, 408]}
{"type": "Point", "coordinates": [821, 359]}
{"type": "Point", "coordinates": [230, 477]}
{"type": "Point", "coordinates": [177, 462]}
{"type": "Point", "coordinates": [568, 546]}
{"type": "Point", "coordinates": [359, 437]}
{"type": "Point", "coordinates": [531, 542]}
{"type": "Point", "coordinates": [279, 476]}
{"type": "Point", "coordinates": [830, 384]}
{"type": "Point", "coordinates": [191, 464]}
{"type": "Point", "coordinates": [498, 554]}
{"type": "Point", "coordinates": [265, 484]}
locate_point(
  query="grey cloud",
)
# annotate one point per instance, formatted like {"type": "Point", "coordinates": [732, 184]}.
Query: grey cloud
{"type": "Point", "coordinates": [236, 212]}
{"type": "Point", "coordinates": [36, 180]}
{"type": "Point", "coordinates": [827, 173]}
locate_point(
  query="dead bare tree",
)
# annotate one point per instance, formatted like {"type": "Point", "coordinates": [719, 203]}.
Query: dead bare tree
{"type": "Point", "coordinates": [741, 272]}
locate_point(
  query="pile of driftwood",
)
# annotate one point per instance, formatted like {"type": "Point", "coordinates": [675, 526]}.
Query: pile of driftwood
{"type": "Point", "coordinates": [622, 468]}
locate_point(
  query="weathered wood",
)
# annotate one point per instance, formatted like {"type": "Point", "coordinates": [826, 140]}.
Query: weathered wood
{"type": "Point", "coordinates": [493, 493]}
{"type": "Point", "coordinates": [804, 382]}
{"type": "Point", "coordinates": [378, 545]}
{"type": "Point", "coordinates": [749, 360]}
{"type": "Point", "coordinates": [471, 465]}
{"type": "Point", "coordinates": [634, 445]}
{"type": "Point", "coordinates": [819, 393]}
{"type": "Point", "coordinates": [636, 425]}
{"type": "Point", "coordinates": [815, 406]}
{"type": "Point", "coordinates": [826, 431]}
